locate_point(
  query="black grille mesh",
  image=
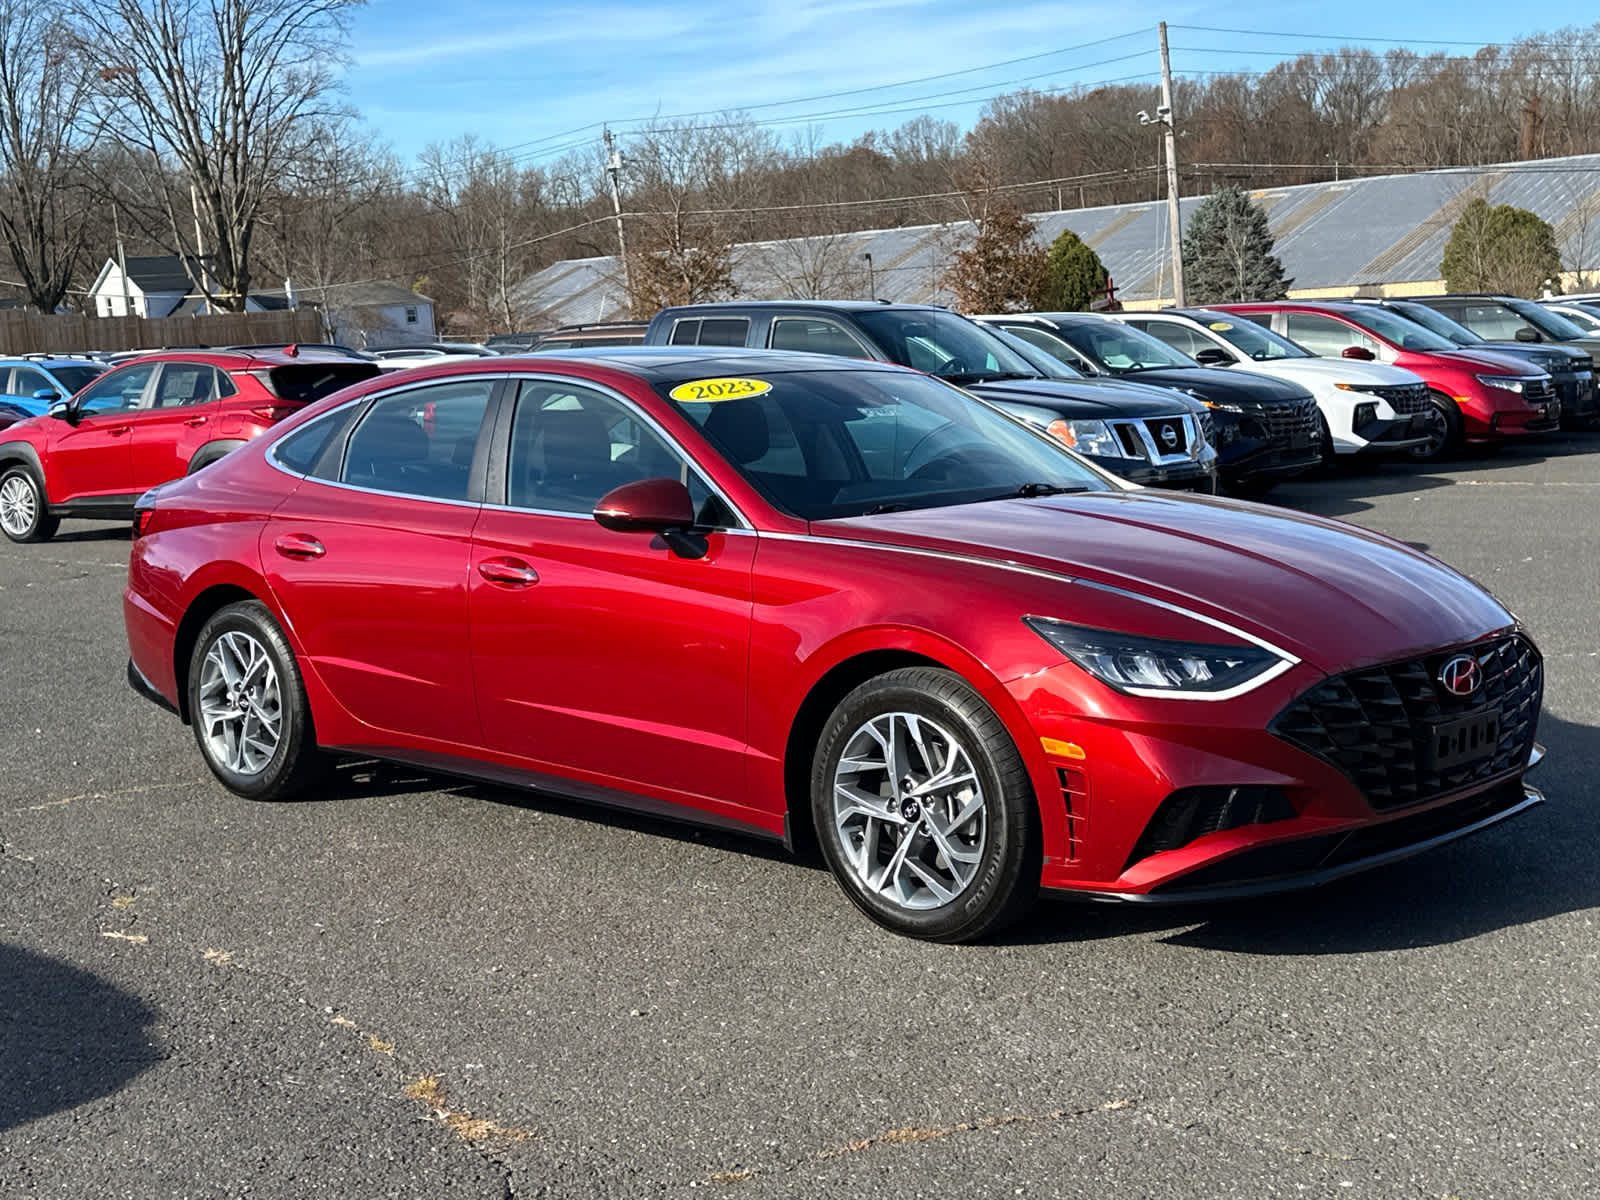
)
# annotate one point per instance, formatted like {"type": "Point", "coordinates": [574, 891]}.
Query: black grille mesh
{"type": "Point", "coordinates": [1190, 813]}
{"type": "Point", "coordinates": [1297, 418]}
{"type": "Point", "coordinates": [1539, 391]}
{"type": "Point", "coordinates": [1405, 399]}
{"type": "Point", "coordinates": [1376, 725]}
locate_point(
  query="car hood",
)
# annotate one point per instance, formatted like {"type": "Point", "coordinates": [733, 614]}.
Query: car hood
{"type": "Point", "coordinates": [1320, 372]}
{"type": "Point", "coordinates": [1577, 354]}
{"type": "Point", "coordinates": [1485, 360]}
{"type": "Point", "coordinates": [1218, 383]}
{"type": "Point", "coordinates": [1333, 595]}
{"type": "Point", "coordinates": [1088, 399]}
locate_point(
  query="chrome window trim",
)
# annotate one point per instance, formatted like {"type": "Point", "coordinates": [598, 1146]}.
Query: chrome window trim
{"type": "Point", "coordinates": [655, 426]}
{"type": "Point", "coordinates": [371, 399]}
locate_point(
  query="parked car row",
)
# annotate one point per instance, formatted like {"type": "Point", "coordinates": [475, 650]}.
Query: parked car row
{"type": "Point", "coordinates": [1233, 398]}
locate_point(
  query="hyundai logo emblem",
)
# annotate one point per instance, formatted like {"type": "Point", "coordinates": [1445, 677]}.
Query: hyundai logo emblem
{"type": "Point", "coordinates": [1461, 676]}
{"type": "Point", "coordinates": [1169, 435]}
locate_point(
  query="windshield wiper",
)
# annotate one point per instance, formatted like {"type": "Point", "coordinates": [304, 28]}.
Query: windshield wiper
{"type": "Point", "coordinates": [879, 509]}
{"type": "Point", "coordinates": [1029, 491]}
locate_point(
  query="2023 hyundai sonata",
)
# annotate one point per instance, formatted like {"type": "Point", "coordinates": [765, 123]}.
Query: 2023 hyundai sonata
{"type": "Point", "coordinates": [806, 597]}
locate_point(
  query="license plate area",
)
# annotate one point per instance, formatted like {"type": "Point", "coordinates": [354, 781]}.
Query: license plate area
{"type": "Point", "coordinates": [1464, 740]}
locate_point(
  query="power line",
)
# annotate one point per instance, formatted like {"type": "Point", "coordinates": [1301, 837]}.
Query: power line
{"type": "Point", "coordinates": [1331, 37]}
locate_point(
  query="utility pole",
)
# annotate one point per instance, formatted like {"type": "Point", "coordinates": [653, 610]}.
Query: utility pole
{"type": "Point", "coordinates": [122, 258]}
{"type": "Point", "coordinates": [200, 245]}
{"type": "Point", "coordinates": [614, 174]}
{"type": "Point", "coordinates": [1174, 220]}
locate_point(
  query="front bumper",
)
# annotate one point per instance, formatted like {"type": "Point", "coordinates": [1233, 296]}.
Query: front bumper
{"type": "Point", "coordinates": [1159, 800]}
{"type": "Point", "coordinates": [1321, 859]}
{"type": "Point", "coordinates": [1392, 435]}
{"type": "Point", "coordinates": [1579, 402]}
{"type": "Point", "coordinates": [1186, 476]}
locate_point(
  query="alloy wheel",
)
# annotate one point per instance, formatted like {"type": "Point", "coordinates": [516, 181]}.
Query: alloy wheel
{"type": "Point", "coordinates": [1438, 430]}
{"type": "Point", "coordinates": [19, 506]}
{"type": "Point", "coordinates": [909, 811]}
{"type": "Point", "coordinates": [241, 704]}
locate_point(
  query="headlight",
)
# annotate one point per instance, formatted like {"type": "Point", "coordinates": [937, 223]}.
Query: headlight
{"type": "Point", "coordinates": [1088, 437]}
{"type": "Point", "coordinates": [1509, 383]}
{"type": "Point", "coordinates": [1142, 666]}
{"type": "Point", "coordinates": [1218, 405]}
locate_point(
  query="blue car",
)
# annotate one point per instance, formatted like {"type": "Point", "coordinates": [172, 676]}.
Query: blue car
{"type": "Point", "coordinates": [34, 384]}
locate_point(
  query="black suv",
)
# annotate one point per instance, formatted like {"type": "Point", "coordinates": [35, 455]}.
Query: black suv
{"type": "Point", "coordinates": [1148, 435]}
{"type": "Point", "coordinates": [1266, 429]}
{"type": "Point", "coordinates": [597, 333]}
{"type": "Point", "coordinates": [1530, 331]}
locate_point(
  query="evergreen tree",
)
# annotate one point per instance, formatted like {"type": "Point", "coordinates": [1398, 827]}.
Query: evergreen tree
{"type": "Point", "coordinates": [1073, 276]}
{"type": "Point", "coordinates": [1506, 250]}
{"type": "Point", "coordinates": [1227, 252]}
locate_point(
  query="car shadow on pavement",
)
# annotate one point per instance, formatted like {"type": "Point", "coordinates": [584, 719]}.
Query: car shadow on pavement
{"type": "Point", "coordinates": [1534, 867]}
{"type": "Point", "coordinates": [66, 1037]}
{"type": "Point", "coordinates": [122, 531]}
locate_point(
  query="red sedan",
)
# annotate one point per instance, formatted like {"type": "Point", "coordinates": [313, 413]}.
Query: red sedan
{"type": "Point", "coordinates": [827, 600]}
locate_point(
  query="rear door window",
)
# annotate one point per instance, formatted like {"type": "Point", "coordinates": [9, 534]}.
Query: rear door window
{"type": "Point", "coordinates": [420, 442]}
{"type": "Point", "coordinates": [182, 384]}
{"type": "Point", "coordinates": [304, 382]}
{"type": "Point", "coordinates": [711, 331]}
{"type": "Point", "coordinates": [814, 336]}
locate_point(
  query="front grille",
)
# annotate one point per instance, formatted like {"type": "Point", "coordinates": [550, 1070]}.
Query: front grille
{"type": "Point", "coordinates": [1379, 725]}
{"type": "Point", "coordinates": [1170, 434]}
{"type": "Point", "coordinates": [1539, 391]}
{"type": "Point", "coordinates": [1406, 399]}
{"type": "Point", "coordinates": [1296, 421]}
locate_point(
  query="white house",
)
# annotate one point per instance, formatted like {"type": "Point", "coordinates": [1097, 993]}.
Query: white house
{"type": "Point", "coordinates": [158, 286]}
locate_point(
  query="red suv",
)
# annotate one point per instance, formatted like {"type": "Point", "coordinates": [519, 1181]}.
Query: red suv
{"type": "Point", "coordinates": [149, 421]}
{"type": "Point", "coordinates": [1474, 395]}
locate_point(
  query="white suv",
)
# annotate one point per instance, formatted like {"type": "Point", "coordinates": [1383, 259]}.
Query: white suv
{"type": "Point", "coordinates": [1366, 407]}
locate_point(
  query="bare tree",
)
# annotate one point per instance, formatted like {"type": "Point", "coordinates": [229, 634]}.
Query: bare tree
{"type": "Point", "coordinates": [44, 87]}
{"type": "Point", "coordinates": [823, 266]}
{"type": "Point", "coordinates": [222, 89]}
{"type": "Point", "coordinates": [689, 186]}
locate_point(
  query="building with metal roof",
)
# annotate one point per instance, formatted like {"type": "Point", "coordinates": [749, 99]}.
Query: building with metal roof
{"type": "Point", "coordinates": [1381, 235]}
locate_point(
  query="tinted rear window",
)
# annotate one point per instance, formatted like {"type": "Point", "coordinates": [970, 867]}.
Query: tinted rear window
{"type": "Point", "coordinates": [305, 382]}
{"type": "Point", "coordinates": [75, 379]}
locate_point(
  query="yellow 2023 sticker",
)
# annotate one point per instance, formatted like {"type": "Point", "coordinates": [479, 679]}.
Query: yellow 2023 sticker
{"type": "Point", "coordinates": [704, 390]}
{"type": "Point", "coordinates": [1221, 326]}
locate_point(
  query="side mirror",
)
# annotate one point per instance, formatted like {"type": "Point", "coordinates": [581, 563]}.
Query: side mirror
{"type": "Point", "coordinates": [47, 394]}
{"type": "Point", "coordinates": [62, 410]}
{"type": "Point", "coordinates": [1213, 356]}
{"type": "Point", "coordinates": [1360, 353]}
{"type": "Point", "coordinates": [1527, 333]}
{"type": "Point", "coordinates": [660, 506]}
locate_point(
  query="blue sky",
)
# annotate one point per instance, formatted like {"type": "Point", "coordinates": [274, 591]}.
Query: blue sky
{"type": "Point", "coordinates": [538, 76]}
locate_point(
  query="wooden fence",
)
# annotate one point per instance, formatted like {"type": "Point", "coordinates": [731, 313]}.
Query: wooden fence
{"type": "Point", "coordinates": [23, 332]}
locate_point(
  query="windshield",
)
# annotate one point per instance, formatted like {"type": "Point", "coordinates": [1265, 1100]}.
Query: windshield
{"type": "Point", "coordinates": [1121, 349]}
{"type": "Point", "coordinates": [1546, 322]}
{"type": "Point", "coordinates": [1261, 345]}
{"type": "Point", "coordinates": [1397, 330]}
{"type": "Point", "coordinates": [75, 379]}
{"type": "Point", "coordinates": [943, 344]}
{"type": "Point", "coordinates": [1047, 365]}
{"type": "Point", "coordinates": [1437, 322]}
{"type": "Point", "coordinates": [829, 444]}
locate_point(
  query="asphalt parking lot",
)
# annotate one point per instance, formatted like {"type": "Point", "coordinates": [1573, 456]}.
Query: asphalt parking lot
{"type": "Point", "coordinates": [417, 987]}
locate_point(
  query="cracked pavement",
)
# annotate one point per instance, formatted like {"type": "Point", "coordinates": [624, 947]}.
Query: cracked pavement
{"type": "Point", "coordinates": [200, 996]}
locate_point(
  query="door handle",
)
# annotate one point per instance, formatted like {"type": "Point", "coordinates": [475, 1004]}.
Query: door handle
{"type": "Point", "coordinates": [508, 572]}
{"type": "Point", "coordinates": [195, 421]}
{"type": "Point", "coordinates": [299, 545]}
{"type": "Point", "coordinates": [119, 430]}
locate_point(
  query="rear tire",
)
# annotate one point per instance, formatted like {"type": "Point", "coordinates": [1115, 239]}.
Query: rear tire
{"type": "Point", "coordinates": [945, 861]}
{"type": "Point", "coordinates": [24, 513]}
{"type": "Point", "coordinates": [247, 705]}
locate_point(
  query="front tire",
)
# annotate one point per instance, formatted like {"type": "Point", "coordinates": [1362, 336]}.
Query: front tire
{"type": "Point", "coordinates": [924, 809]}
{"type": "Point", "coordinates": [247, 704]}
{"type": "Point", "coordinates": [1444, 430]}
{"type": "Point", "coordinates": [24, 516]}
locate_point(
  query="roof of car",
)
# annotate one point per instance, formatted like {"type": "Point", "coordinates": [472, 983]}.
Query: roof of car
{"type": "Point", "coordinates": [48, 361]}
{"type": "Point", "coordinates": [239, 360]}
{"type": "Point", "coordinates": [819, 305]}
{"type": "Point", "coordinates": [660, 363]}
